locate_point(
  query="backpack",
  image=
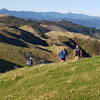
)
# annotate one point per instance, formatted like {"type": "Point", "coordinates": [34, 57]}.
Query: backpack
{"type": "Point", "coordinates": [62, 54]}
{"type": "Point", "coordinates": [29, 62]}
{"type": "Point", "coordinates": [77, 51]}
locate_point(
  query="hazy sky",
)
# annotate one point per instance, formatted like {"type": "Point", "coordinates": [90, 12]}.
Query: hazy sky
{"type": "Point", "coordinates": [89, 7]}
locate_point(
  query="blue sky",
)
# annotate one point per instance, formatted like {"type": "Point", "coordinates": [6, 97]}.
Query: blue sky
{"type": "Point", "coordinates": [89, 7]}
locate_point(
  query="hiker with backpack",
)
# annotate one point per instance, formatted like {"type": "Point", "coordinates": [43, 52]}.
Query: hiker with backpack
{"type": "Point", "coordinates": [63, 55]}
{"type": "Point", "coordinates": [77, 52]}
{"type": "Point", "coordinates": [29, 62]}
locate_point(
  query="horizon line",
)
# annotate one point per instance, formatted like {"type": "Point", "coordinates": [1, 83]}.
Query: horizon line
{"type": "Point", "coordinates": [49, 12]}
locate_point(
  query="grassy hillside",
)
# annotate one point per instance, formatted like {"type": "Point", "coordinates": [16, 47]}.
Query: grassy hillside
{"type": "Point", "coordinates": [71, 27]}
{"type": "Point", "coordinates": [41, 40]}
{"type": "Point", "coordinates": [15, 51]}
{"type": "Point", "coordinates": [65, 25]}
{"type": "Point", "coordinates": [90, 46]}
{"type": "Point", "coordinates": [11, 56]}
{"type": "Point", "coordinates": [72, 80]}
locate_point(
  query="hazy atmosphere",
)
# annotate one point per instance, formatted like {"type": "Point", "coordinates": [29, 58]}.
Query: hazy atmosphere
{"type": "Point", "coordinates": [88, 7]}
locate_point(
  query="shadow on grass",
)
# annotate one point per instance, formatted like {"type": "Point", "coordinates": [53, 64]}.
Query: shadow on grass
{"type": "Point", "coordinates": [19, 40]}
{"type": "Point", "coordinates": [7, 66]}
{"type": "Point", "coordinates": [72, 44]}
{"type": "Point", "coordinates": [12, 41]}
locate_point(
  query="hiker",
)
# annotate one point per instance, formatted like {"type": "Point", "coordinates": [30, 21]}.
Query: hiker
{"type": "Point", "coordinates": [77, 52]}
{"type": "Point", "coordinates": [29, 62]}
{"type": "Point", "coordinates": [63, 55]}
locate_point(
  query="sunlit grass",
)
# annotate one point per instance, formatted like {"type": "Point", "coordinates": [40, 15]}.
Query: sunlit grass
{"type": "Point", "coordinates": [72, 80]}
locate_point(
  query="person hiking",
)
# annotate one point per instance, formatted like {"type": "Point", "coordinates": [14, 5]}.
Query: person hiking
{"type": "Point", "coordinates": [29, 62]}
{"type": "Point", "coordinates": [77, 52]}
{"type": "Point", "coordinates": [63, 55]}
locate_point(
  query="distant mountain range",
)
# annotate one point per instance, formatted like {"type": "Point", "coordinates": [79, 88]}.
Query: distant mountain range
{"type": "Point", "coordinates": [90, 21]}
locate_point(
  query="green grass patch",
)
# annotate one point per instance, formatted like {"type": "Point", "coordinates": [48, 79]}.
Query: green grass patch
{"type": "Point", "coordinates": [72, 80]}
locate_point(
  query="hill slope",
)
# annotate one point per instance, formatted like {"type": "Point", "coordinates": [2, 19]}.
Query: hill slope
{"type": "Point", "coordinates": [42, 40]}
{"type": "Point", "coordinates": [67, 81]}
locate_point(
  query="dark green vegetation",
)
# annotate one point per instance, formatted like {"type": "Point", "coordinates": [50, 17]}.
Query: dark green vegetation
{"type": "Point", "coordinates": [42, 40]}
{"type": "Point", "coordinates": [72, 80]}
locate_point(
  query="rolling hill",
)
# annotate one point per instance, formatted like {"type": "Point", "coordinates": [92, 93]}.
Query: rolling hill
{"type": "Point", "coordinates": [72, 80]}
{"type": "Point", "coordinates": [86, 20]}
{"type": "Point", "coordinates": [42, 40]}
